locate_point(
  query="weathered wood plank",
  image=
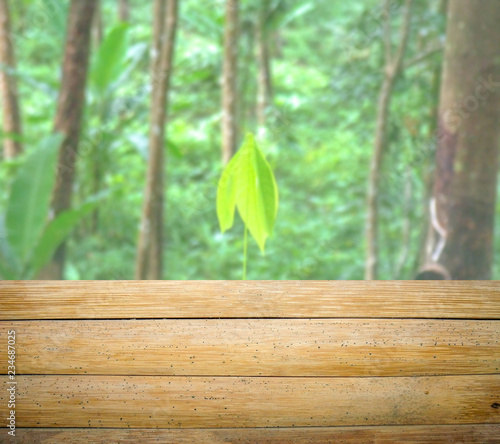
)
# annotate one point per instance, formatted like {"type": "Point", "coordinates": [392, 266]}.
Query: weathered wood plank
{"type": "Point", "coordinates": [198, 402]}
{"type": "Point", "coordinates": [254, 299]}
{"type": "Point", "coordinates": [481, 433]}
{"type": "Point", "coordinates": [255, 347]}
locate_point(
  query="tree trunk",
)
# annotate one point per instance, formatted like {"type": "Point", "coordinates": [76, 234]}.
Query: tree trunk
{"type": "Point", "coordinates": [155, 266]}
{"type": "Point", "coordinates": [123, 10]}
{"type": "Point", "coordinates": [150, 248]}
{"type": "Point", "coordinates": [8, 85]}
{"type": "Point", "coordinates": [98, 25]}
{"type": "Point", "coordinates": [229, 82]}
{"type": "Point", "coordinates": [392, 71]}
{"type": "Point", "coordinates": [464, 196]}
{"type": "Point", "coordinates": [69, 113]}
{"type": "Point", "coordinates": [264, 92]}
{"type": "Point", "coordinates": [97, 173]}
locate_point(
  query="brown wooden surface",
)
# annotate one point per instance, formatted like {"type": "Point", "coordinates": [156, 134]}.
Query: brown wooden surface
{"type": "Point", "coordinates": [380, 362]}
{"type": "Point", "coordinates": [250, 299]}
{"type": "Point", "coordinates": [200, 402]}
{"type": "Point", "coordinates": [255, 347]}
{"type": "Point", "coordinates": [481, 433]}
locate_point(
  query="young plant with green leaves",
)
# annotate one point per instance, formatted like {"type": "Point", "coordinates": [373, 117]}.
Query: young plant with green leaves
{"type": "Point", "coordinates": [28, 238]}
{"type": "Point", "coordinates": [248, 184]}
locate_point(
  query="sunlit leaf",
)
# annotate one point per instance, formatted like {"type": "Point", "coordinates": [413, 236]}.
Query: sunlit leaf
{"type": "Point", "coordinates": [226, 196]}
{"type": "Point", "coordinates": [256, 191]}
{"type": "Point", "coordinates": [248, 184]}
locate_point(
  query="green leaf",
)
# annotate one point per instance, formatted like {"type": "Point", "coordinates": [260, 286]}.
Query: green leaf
{"type": "Point", "coordinates": [56, 232]}
{"type": "Point", "coordinates": [226, 196]}
{"type": "Point", "coordinates": [110, 59]}
{"type": "Point", "coordinates": [29, 200]}
{"type": "Point", "coordinates": [256, 192]}
{"type": "Point", "coordinates": [248, 184]}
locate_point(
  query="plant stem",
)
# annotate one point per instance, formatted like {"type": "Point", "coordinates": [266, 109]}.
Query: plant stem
{"type": "Point", "coordinates": [245, 253]}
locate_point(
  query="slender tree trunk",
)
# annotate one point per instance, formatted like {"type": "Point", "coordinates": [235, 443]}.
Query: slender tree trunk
{"type": "Point", "coordinates": [98, 25]}
{"type": "Point", "coordinates": [392, 70]}
{"type": "Point", "coordinates": [264, 92]}
{"type": "Point", "coordinates": [464, 196]}
{"type": "Point", "coordinates": [155, 251]}
{"type": "Point", "coordinates": [69, 113]}
{"type": "Point", "coordinates": [150, 248]}
{"type": "Point", "coordinates": [123, 10]}
{"type": "Point", "coordinates": [97, 38]}
{"type": "Point", "coordinates": [229, 82]}
{"type": "Point", "coordinates": [8, 85]}
{"type": "Point", "coordinates": [246, 79]}
{"type": "Point", "coordinates": [159, 14]}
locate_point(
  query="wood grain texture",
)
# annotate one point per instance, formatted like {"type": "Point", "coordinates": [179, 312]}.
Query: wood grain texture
{"type": "Point", "coordinates": [250, 299]}
{"type": "Point", "coordinates": [199, 402]}
{"type": "Point", "coordinates": [327, 361]}
{"type": "Point", "coordinates": [480, 433]}
{"type": "Point", "coordinates": [255, 347]}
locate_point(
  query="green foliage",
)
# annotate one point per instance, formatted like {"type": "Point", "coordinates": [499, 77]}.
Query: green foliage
{"type": "Point", "coordinates": [248, 184]}
{"type": "Point", "coordinates": [28, 205]}
{"type": "Point", "coordinates": [29, 238]}
{"type": "Point", "coordinates": [57, 231]}
{"type": "Point", "coordinates": [109, 62]}
{"type": "Point", "coordinates": [282, 15]}
{"type": "Point", "coordinates": [327, 71]}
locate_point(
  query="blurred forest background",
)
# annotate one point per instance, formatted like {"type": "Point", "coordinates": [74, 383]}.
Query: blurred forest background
{"type": "Point", "coordinates": [380, 120]}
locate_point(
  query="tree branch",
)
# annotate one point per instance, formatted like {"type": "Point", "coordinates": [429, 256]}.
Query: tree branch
{"type": "Point", "coordinates": [404, 33]}
{"type": "Point", "coordinates": [387, 33]}
{"type": "Point", "coordinates": [422, 56]}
